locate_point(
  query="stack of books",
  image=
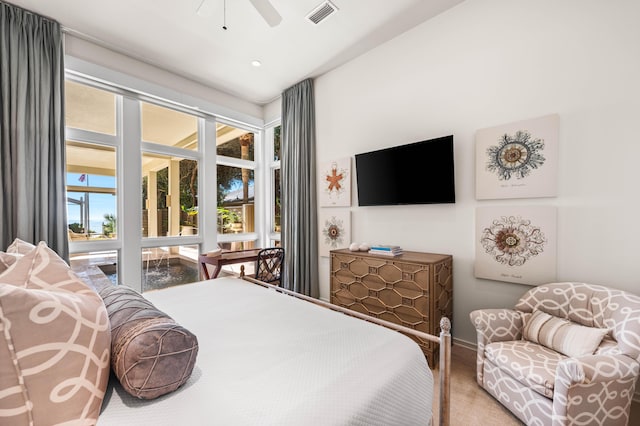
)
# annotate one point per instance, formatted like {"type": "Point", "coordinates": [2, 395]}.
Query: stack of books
{"type": "Point", "coordinates": [386, 250]}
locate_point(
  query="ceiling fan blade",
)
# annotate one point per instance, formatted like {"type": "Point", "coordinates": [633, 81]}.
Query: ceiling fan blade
{"type": "Point", "coordinates": [205, 9]}
{"type": "Point", "coordinates": [268, 12]}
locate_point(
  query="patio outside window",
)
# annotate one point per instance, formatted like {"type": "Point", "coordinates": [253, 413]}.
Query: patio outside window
{"type": "Point", "coordinates": [169, 195]}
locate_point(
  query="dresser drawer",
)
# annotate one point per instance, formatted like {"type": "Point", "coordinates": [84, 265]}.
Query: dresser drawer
{"type": "Point", "coordinates": [413, 290]}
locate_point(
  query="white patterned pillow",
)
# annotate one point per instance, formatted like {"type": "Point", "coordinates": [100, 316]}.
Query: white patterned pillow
{"type": "Point", "coordinates": [54, 344]}
{"type": "Point", "coordinates": [8, 259]}
{"type": "Point", "coordinates": [562, 335]}
{"type": "Point", "coordinates": [20, 247]}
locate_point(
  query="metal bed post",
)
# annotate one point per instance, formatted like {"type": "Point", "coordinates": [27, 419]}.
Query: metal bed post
{"type": "Point", "coordinates": [445, 371]}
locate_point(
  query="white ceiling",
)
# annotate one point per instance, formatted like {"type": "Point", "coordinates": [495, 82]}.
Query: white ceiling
{"type": "Point", "coordinates": [171, 35]}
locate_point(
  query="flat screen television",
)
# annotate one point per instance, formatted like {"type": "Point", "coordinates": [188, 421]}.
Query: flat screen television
{"type": "Point", "coordinates": [416, 173]}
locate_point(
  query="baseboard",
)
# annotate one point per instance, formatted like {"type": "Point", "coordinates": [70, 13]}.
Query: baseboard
{"type": "Point", "coordinates": [465, 344]}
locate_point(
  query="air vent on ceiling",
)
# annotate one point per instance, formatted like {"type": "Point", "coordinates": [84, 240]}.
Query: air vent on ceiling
{"type": "Point", "coordinates": [321, 12]}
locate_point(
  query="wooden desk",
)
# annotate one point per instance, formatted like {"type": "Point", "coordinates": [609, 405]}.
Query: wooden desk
{"type": "Point", "coordinates": [226, 258]}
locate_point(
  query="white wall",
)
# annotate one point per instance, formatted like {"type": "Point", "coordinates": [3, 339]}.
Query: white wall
{"type": "Point", "coordinates": [491, 62]}
{"type": "Point", "coordinates": [272, 111]}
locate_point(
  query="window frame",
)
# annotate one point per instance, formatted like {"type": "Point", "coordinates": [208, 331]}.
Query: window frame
{"type": "Point", "coordinates": [130, 91]}
{"type": "Point", "coordinates": [272, 166]}
{"type": "Point", "coordinates": [256, 236]}
{"type": "Point", "coordinates": [102, 139]}
{"type": "Point", "coordinates": [182, 153]}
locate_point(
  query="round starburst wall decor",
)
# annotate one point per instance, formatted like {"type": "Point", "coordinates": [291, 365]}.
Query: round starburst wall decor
{"type": "Point", "coordinates": [515, 155]}
{"type": "Point", "coordinates": [333, 232]}
{"type": "Point", "coordinates": [512, 240]}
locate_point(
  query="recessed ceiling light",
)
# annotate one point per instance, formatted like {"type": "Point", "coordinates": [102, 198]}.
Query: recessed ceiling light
{"type": "Point", "coordinates": [256, 63]}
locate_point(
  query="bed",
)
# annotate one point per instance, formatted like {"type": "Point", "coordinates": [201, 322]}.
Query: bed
{"type": "Point", "coordinates": [227, 351]}
{"type": "Point", "coordinates": [266, 358]}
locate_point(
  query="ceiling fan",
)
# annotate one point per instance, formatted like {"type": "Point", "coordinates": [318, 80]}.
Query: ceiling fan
{"type": "Point", "coordinates": [264, 8]}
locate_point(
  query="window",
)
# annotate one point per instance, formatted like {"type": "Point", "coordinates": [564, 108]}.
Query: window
{"type": "Point", "coordinates": [89, 108]}
{"type": "Point", "coordinates": [141, 204]}
{"type": "Point", "coordinates": [273, 134]}
{"type": "Point", "coordinates": [235, 173]}
{"type": "Point", "coordinates": [277, 196]}
{"type": "Point", "coordinates": [91, 191]}
{"type": "Point", "coordinates": [169, 179]}
{"type": "Point", "coordinates": [168, 127]}
{"type": "Point", "coordinates": [276, 144]}
{"type": "Point", "coordinates": [234, 142]}
{"type": "Point", "coordinates": [169, 196]}
{"type": "Point", "coordinates": [236, 198]}
{"type": "Point", "coordinates": [92, 175]}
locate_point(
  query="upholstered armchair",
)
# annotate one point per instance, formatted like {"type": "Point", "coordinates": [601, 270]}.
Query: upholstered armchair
{"type": "Point", "coordinates": [568, 354]}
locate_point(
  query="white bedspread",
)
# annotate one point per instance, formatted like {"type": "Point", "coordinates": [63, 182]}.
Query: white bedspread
{"type": "Point", "coordinates": [269, 359]}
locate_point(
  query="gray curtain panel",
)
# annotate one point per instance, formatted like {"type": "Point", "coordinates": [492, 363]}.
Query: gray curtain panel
{"type": "Point", "coordinates": [32, 152]}
{"type": "Point", "coordinates": [299, 205]}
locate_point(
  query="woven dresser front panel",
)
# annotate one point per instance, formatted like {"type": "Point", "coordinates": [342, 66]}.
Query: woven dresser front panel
{"type": "Point", "coordinates": [413, 290]}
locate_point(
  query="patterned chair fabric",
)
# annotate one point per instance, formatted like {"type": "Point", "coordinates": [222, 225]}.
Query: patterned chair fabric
{"type": "Point", "coordinates": [544, 387]}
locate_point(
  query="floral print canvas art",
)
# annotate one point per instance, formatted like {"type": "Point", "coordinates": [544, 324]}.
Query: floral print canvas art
{"type": "Point", "coordinates": [518, 160]}
{"type": "Point", "coordinates": [516, 244]}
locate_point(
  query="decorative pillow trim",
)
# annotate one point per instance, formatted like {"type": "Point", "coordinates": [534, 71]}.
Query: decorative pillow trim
{"type": "Point", "coordinates": [562, 335]}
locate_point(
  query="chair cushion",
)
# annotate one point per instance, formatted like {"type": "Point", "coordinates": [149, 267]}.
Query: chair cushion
{"type": "Point", "coordinates": [562, 335]}
{"type": "Point", "coordinates": [531, 364]}
{"type": "Point", "coordinates": [592, 306]}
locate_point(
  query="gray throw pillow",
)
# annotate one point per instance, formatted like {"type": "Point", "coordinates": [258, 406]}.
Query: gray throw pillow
{"type": "Point", "coordinates": [151, 355]}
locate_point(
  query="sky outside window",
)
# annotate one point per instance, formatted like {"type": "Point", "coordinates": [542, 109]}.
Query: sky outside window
{"type": "Point", "coordinates": [100, 204]}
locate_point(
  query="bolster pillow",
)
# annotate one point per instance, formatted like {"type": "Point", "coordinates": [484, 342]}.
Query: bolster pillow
{"type": "Point", "coordinates": [151, 355]}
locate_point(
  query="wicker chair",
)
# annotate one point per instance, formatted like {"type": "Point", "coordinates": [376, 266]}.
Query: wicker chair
{"type": "Point", "coordinates": [535, 359]}
{"type": "Point", "coordinates": [269, 266]}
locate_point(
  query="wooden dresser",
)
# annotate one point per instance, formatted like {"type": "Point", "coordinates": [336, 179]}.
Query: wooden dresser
{"type": "Point", "coordinates": [414, 289]}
